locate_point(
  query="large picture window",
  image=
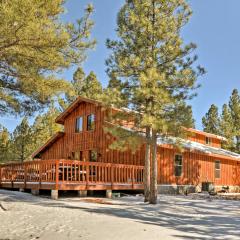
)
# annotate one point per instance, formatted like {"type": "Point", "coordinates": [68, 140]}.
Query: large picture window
{"type": "Point", "coordinates": [178, 164]}
{"type": "Point", "coordinates": [217, 169]}
{"type": "Point", "coordinates": [79, 125]}
{"type": "Point", "coordinates": [90, 122]}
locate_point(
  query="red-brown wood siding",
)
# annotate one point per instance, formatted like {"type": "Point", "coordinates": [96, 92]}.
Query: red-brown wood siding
{"type": "Point", "coordinates": [197, 167]}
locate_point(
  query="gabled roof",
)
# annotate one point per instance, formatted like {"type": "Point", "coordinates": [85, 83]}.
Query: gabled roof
{"type": "Point", "coordinates": [195, 146]}
{"type": "Point", "coordinates": [53, 139]}
{"type": "Point", "coordinates": [60, 119]}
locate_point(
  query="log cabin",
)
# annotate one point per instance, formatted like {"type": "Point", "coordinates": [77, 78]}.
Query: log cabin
{"type": "Point", "coordinates": [79, 158]}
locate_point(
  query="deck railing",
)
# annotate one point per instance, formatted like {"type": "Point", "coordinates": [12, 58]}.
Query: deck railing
{"type": "Point", "coordinates": [71, 171]}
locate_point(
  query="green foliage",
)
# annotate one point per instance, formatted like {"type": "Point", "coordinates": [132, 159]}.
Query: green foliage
{"type": "Point", "coordinates": [4, 144]}
{"type": "Point", "coordinates": [228, 124]}
{"type": "Point", "coordinates": [227, 128]}
{"type": "Point", "coordinates": [44, 127]}
{"type": "Point", "coordinates": [156, 70]}
{"type": "Point", "coordinates": [22, 141]}
{"type": "Point", "coordinates": [234, 106]}
{"type": "Point", "coordinates": [82, 85]}
{"type": "Point", "coordinates": [210, 121]}
{"type": "Point", "coordinates": [35, 45]}
{"type": "Point", "coordinates": [153, 64]}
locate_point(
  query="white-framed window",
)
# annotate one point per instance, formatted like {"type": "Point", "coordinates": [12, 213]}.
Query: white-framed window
{"type": "Point", "coordinates": [178, 165]}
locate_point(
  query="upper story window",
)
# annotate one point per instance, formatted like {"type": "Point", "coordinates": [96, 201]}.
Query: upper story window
{"type": "Point", "coordinates": [217, 169]}
{"type": "Point", "coordinates": [79, 125]}
{"type": "Point", "coordinates": [208, 141]}
{"type": "Point", "coordinates": [90, 122]}
{"type": "Point", "coordinates": [178, 165]}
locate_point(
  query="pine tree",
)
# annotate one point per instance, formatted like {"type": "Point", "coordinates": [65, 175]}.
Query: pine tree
{"type": "Point", "coordinates": [155, 68]}
{"type": "Point", "coordinates": [234, 106]}
{"type": "Point", "coordinates": [211, 121]}
{"type": "Point", "coordinates": [22, 145]}
{"type": "Point", "coordinates": [82, 85]}
{"type": "Point", "coordinates": [91, 88]}
{"type": "Point", "coordinates": [227, 128]}
{"type": "Point", "coordinates": [35, 45]}
{"type": "Point", "coordinates": [4, 144]}
{"type": "Point", "coordinates": [44, 127]}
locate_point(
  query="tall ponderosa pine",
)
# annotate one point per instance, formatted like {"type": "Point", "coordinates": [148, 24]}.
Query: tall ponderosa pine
{"type": "Point", "coordinates": [22, 143]}
{"type": "Point", "coordinates": [82, 85]}
{"type": "Point", "coordinates": [155, 68]}
{"type": "Point", "coordinates": [4, 144]}
{"type": "Point", "coordinates": [45, 127]}
{"type": "Point", "coordinates": [227, 128]}
{"type": "Point", "coordinates": [35, 44]}
{"type": "Point", "coordinates": [234, 106]}
{"type": "Point", "coordinates": [211, 121]}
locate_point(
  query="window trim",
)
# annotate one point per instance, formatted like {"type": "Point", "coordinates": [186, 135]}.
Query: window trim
{"type": "Point", "coordinates": [82, 128]}
{"type": "Point", "coordinates": [178, 165]}
{"type": "Point", "coordinates": [219, 169]}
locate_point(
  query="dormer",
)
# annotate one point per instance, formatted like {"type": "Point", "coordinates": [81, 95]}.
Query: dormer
{"type": "Point", "coordinates": [207, 139]}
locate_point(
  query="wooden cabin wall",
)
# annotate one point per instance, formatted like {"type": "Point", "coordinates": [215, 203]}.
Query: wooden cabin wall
{"type": "Point", "coordinates": [90, 140]}
{"type": "Point", "coordinates": [197, 168]}
{"type": "Point", "coordinates": [55, 151]}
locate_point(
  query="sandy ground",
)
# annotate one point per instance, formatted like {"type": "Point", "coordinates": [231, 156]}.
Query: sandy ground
{"type": "Point", "coordinates": [174, 217]}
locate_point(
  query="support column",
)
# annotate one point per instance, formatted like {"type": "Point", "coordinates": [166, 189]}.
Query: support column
{"type": "Point", "coordinates": [108, 193]}
{"type": "Point", "coordinates": [35, 192]}
{"type": "Point", "coordinates": [54, 194]}
{"type": "Point", "coordinates": [21, 190]}
{"type": "Point", "coordinates": [82, 193]}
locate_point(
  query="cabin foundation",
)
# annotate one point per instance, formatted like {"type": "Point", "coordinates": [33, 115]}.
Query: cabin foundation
{"type": "Point", "coordinates": [54, 194]}
{"type": "Point", "coordinates": [108, 193]}
{"type": "Point", "coordinates": [82, 193]}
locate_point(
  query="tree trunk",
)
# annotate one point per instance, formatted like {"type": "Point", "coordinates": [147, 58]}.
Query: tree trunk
{"type": "Point", "coordinates": [154, 163]}
{"type": "Point", "coordinates": [147, 166]}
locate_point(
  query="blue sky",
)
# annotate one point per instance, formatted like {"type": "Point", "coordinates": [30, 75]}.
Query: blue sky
{"type": "Point", "coordinates": [214, 27]}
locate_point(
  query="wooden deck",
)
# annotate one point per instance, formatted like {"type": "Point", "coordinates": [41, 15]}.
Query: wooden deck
{"type": "Point", "coordinates": [71, 175]}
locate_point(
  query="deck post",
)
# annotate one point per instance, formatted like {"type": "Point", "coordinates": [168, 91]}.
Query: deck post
{"type": "Point", "coordinates": [132, 177]}
{"type": "Point", "coordinates": [82, 193]}
{"type": "Point", "coordinates": [25, 174]}
{"type": "Point", "coordinates": [108, 193]}
{"type": "Point", "coordinates": [54, 194]}
{"type": "Point", "coordinates": [57, 174]}
{"type": "Point", "coordinates": [40, 174]}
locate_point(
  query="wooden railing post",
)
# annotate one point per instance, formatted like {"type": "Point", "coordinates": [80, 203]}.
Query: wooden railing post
{"type": "Point", "coordinates": [25, 174]}
{"type": "Point", "coordinates": [40, 174]}
{"type": "Point", "coordinates": [0, 176]}
{"type": "Point", "coordinates": [57, 174]}
{"type": "Point", "coordinates": [132, 177]}
{"type": "Point", "coordinates": [87, 174]}
{"type": "Point", "coordinates": [112, 173]}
